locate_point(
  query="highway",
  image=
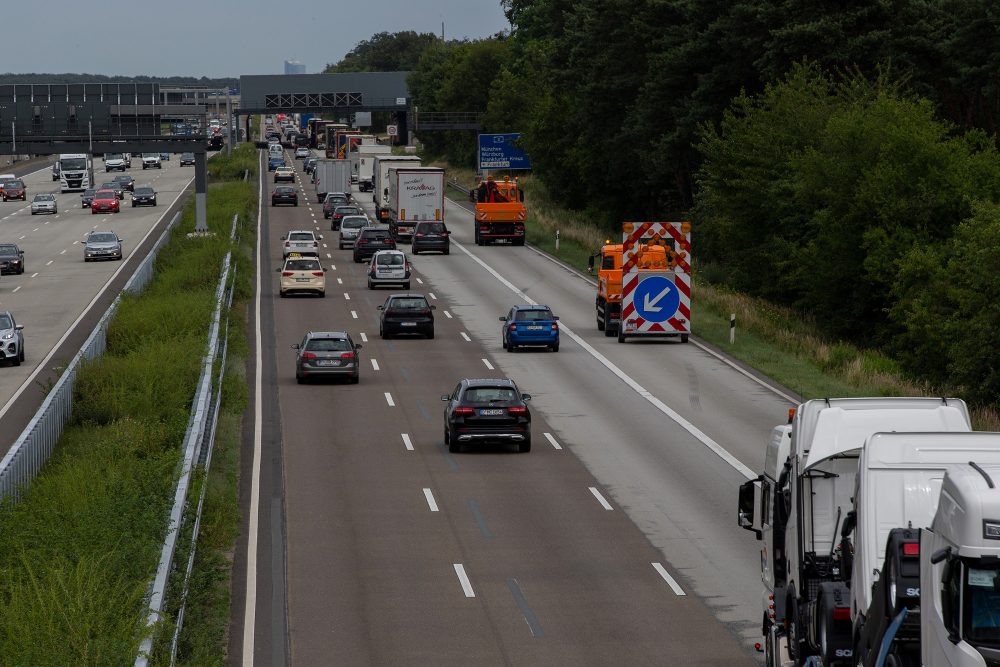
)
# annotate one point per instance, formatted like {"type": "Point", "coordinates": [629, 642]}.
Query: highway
{"type": "Point", "coordinates": [614, 540]}
{"type": "Point", "coordinates": [60, 297]}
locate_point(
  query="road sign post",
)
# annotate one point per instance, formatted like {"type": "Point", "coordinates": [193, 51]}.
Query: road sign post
{"type": "Point", "coordinates": [656, 301]}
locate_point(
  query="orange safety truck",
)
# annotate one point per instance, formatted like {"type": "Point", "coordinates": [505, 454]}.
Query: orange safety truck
{"type": "Point", "coordinates": [500, 211]}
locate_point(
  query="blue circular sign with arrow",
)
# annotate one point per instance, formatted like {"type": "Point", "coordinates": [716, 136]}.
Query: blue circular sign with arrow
{"type": "Point", "coordinates": [656, 299]}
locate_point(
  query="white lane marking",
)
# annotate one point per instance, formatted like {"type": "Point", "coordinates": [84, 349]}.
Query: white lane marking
{"type": "Point", "coordinates": [329, 256]}
{"type": "Point", "coordinates": [488, 364]}
{"type": "Point", "coordinates": [604, 503]}
{"type": "Point", "coordinates": [354, 314]}
{"type": "Point", "coordinates": [702, 437]}
{"type": "Point", "coordinates": [465, 336]}
{"type": "Point", "coordinates": [374, 364]}
{"type": "Point", "coordinates": [63, 252]}
{"type": "Point", "coordinates": [36, 229]}
{"type": "Point", "coordinates": [419, 281]}
{"type": "Point", "coordinates": [406, 441]}
{"type": "Point", "coordinates": [552, 441]}
{"type": "Point", "coordinates": [16, 288]}
{"type": "Point", "coordinates": [333, 267]}
{"type": "Point", "coordinates": [430, 500]}
{"type": "Point", "coordinates": [250, 606]}
{"type": "Point", "coordinates": [317, 229]}
{"type": "Point", "coordinates": [431, 295]}
{"type": "Point", "coordinates": [364, 338]}
{"type": "Point", "coordinates": [34, 274]}
{"type": "Point", "coordinates": [388, 399]}
{"type": "Point", "coordinates": [446, 314]}
{"type": "Point", "coordinates": [347, 296]}
{"type": "Point", "coordinates": [19, 238]}
{"type": "Point", "coordinates": [463, 578]}
{"type": "Point", "coordinates": [49, 262]}
{"type": "Point", "coordinates": [670, 580]}
{"type": "Point", "coordinates": [340, 281]}
{"type": "Point", "coordinates": [324, 245]}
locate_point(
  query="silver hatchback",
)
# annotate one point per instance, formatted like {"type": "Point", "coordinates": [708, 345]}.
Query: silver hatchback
{"type": "Point", "coordinates": [327, 354]}
{"type": "Point", "coordinates": [350, 227]}
{"type": "Point", "coordinates": [102, 245]}
{"type": "Point", "coordinates": [389, 267]}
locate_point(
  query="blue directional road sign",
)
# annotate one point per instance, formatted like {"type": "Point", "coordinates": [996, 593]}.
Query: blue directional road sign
{"type": "Point", "coordinates": [498, 151]}
{"type": "Point", "coordinates": [656, 298]}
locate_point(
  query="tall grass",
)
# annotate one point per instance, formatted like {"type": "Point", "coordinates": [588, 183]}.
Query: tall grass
{"type": "Point", "coordinates": [79, 550]}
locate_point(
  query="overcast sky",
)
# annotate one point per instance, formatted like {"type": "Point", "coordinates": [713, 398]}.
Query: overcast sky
{"type": "Point", "coordinates": [217, 38]}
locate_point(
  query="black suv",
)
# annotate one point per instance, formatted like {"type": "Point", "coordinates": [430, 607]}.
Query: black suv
{"type": "Point", "coordinates": [406, 313]}
{"type": "Point", "coordinates": [370, 241]}
{"type": "Point", "coordinates": [11, 259]}
{"type": "Point", "coordinates": [487, 411]}
{"type": "Point", "coordinates": [430, 236]}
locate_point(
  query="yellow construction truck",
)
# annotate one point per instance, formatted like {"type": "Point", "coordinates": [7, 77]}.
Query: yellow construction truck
{"type": "Point", "coordinates": [500, 211]}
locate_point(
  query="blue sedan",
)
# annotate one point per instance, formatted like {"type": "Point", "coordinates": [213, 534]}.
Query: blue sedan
{"type": "Point", "coordinates": [530, 325]}
{"type": "Point", "coordinates": [275, 162]}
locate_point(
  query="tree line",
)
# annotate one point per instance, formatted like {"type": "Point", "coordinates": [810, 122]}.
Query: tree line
{"type": "Point", "coordinates": [837, 157]}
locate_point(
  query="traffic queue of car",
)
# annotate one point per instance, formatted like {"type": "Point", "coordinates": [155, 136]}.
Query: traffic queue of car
{"type": "Point", "coordinates": [98, 245]}
{"type": "Point", "coordinates": [478, 411]}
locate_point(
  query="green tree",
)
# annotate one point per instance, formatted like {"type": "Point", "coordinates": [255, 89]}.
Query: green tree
{"type": "Point", "coordinates": [386, 52]}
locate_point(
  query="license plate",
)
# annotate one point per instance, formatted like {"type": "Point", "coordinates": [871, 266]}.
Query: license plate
{"type": "Point", "coordinates": [327, 362]}
{"type": "Point", "coordinates": [408, 324]}
{"type": "Point", "coordinates": [535, 328]}
{"type": "Point", "coordinates": [491, 412]}
{"type": "Point", "coordinates": [301, 280]}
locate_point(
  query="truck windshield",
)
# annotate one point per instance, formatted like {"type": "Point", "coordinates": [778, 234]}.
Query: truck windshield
{"type": "Point", "coordinates": [981, 595]}
{"type": "Point", "coordinates": [73, 163]}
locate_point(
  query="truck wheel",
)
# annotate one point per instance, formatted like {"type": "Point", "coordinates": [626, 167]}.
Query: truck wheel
{"type": "Point", "coordinates": [608, 331]}
{"type": "Point", "coordinates": [621, 337]}
{"type": "Point", "coordinates": [684, 338]}
{"type": "Point", "coordinates": [600, 322]}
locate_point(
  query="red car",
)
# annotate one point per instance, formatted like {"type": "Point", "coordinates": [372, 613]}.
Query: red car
{"type": "Point", "coordinates": [105, 201]}
{"type": "Point", "coordinates": [15, 190]}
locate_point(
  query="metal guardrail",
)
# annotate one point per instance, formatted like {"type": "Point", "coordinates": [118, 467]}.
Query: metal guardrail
{"type": "Point", "coordinates": [38, 439]}
{"type": "Point", "coordinates": [199, 440]}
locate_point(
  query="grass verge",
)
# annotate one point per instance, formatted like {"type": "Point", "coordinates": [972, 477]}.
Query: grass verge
{"type": "Point", "coordinates": [79, 550]}
{"type": "Point", "coordinates": [774, 341]}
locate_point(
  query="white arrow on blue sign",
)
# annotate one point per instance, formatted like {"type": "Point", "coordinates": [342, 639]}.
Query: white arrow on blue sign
{"type": "Point", "coordinates": [656, 298]}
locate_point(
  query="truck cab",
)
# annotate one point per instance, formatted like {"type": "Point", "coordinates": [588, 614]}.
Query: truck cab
{"type": "Point", "coordinates": [500, 213]}
{"type": "Point", "coordinates": [609, 279]}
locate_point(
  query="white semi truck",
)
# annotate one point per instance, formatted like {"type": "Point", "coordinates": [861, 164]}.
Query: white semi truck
{"type": "Point", "coordinates": [380, 189]}
{"type": "Point", "coordinates": [366, 164]}
{"type": "Point", "coordinates": [331, 176]}
{"type": "Point", "coordinates": [416, 194]}
{"type": "Point", "coordinates": [75, 172]}
{"type": "Point", "coordinates": [799, 505]}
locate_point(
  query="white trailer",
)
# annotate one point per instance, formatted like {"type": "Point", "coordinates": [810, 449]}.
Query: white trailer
{"type": "Point", "coordinates": [366, 164]}
{"type": "Point", "coordinates": [331, 176]}
{"type": "Point", "coordinates": [380, 189]}
{"type": "Point", "coordinates": [416, 194]}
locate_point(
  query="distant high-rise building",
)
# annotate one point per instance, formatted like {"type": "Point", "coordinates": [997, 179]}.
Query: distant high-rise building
{"type": "Point", "coordinates": [294, 67]}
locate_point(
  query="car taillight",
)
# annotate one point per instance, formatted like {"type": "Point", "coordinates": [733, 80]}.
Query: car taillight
{"type": "Point", "coordinates": [347, 355]}
{"type": "Point", "coordinates": [363, 242]}
{"type": "Point", "coordinates": [911, 549]}
{"type": "Point", "coordinates": [287, 243]}
{"type": "Point", "coordinates": [287, 274]}
{"type": "Point", "coordinates": [484, 228]}
{"type": "Point", "coordinates": [842, 614]}
{"type": "Point", "coordinates": [517, 410]}
{"type": "Point", "coordinates": [555, 327]}
{"type": "Point", "coordinates": [418, 234]}
{"type": "Point", "coordinates": [308, 355]}
{"type": "Point", "coordinates": [464, 411]}
{"type": "Point", "coordinates": [318, 273]}
{"type": "Point", "coordinates": [512, 327]}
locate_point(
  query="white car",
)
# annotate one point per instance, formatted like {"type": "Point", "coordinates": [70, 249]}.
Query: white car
{"type": "Point", "coordinates": [302, 152]}
{"type": "Point", "coordinates": [389, 267]}
{"type": "Point", "coordinates": [302, 274]}
{"type": "Point", "coordinates": [151, 161]}
{"type": "Point", "coordinates": [350, 227]}
{"type": "Point", "coordinates": [284, 174]}
{"type": "Point", "coordinates": [44, 203]}
{"type": "Point", "coordinates": [304, 242]}
{"type": "Point", "coordinates": [114, 161]}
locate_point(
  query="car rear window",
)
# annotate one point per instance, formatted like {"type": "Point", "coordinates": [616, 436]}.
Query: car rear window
{"type": "Point", "coordinates": [408, 302]}
{"type": "Point", "coordinates": [300, 236]}
{"type": "Point", "coordinates": [430, 227]}
{"type": "Point", "coordinates": [352, 223]}
{"type": "Point", "coordinates": [379, 235]}
{"type": "Point", "coordinates": [487, 394]}
{"type": "Point", "coordinates": [302, 265]}
{"type": "Point", "coordinates": [328, 345]}
{"type": "Point", "coordinates": [347, 210]}
{"type": "Point", "coordinates": [390, 260]}
{"type": "Point", "coordinates": [104, 194]}
{"type": "Point", "coordinates": [532, 315]}
{"type": "Point", "coordinates": [285, 189]}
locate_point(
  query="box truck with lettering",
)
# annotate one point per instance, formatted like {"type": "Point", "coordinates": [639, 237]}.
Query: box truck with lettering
{"type": "Point", "coordinates": [380, 185]}
{"type": "Point", "coordinates": [416, 194]}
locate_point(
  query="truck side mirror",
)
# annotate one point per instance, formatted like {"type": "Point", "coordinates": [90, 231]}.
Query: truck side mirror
{"type": "Point", "coordinates": [850, 521]}
{"type": "Point", "coordinates": [747, 506]}
{"type": "Point", "coordinates": [590, 264]}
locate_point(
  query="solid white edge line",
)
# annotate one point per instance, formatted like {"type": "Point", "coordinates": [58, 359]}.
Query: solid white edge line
{"type": "Point", "coordinates": [670, 580]}
{"type": "Point", "coordinates": [429, 496]}
{"type": "Point", "coordinates": [44, 363]}
{"type": "Point", "coordinates": [250, 604]}
{"type": "Point", "coordinates": [374, 364]}
{"type": "Point", "coordinates": [552, 441]}
{"type": "Point", "coordinates": [406, 441]}
{"type": "Point", "coordinates": [463, 578]}
{"type": "Point", "coordinates": [388, 399]}
{"type": "Point", "coordinates": [604, 503]}
{"type": "Point", "coordinates": [702, 437]}
{"type": "Point", "coordinates": [488, 364]}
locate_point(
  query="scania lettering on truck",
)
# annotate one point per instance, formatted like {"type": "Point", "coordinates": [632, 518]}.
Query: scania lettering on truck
{"type": "Point", "coordinates": [74, 172]}
{"type": "Point", "coordinates": [416, 194]}
{"type": "Point", "coordinates": [799, 504]}
{"type": "Point", "coordinates": [366, 164]}
{"type": "Point", "coordinates": [380, 189]}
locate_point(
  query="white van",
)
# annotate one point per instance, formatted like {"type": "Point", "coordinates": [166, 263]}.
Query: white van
{"type": "Point", "coordinates": [275, 150]}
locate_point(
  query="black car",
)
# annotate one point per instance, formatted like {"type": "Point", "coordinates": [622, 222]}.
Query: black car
{"type": "Point", "coordinates": [406, 313]}
{"type": "Point", "coordinates": [126, 181]}
{"type": "Point", "coordinates": [11, 258]}
{"type": "Point", "coordinates": [285, 194]}
{"type": "Point", "coordinates": [87, 197]}
{"type": "Point", "coordinates": [187, 159]}
{"type": "Point", "coordinates": [339, 212]}
{"type": "Point", "coordinates": [430, 236]}
{"type": "Point", "coordinates": [309, 165]}
{"type": "Point", "coordinates": [116, 186]}
{"type": "Point", "coordinates": [370, 240]}
{"type": "Point", "coordinates": [144, 196]}
{"type": "Point", "coordinates": [487, 411]}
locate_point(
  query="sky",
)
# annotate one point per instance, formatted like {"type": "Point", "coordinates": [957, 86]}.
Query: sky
{"type": "Point", "coordinates": [217, 38]}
